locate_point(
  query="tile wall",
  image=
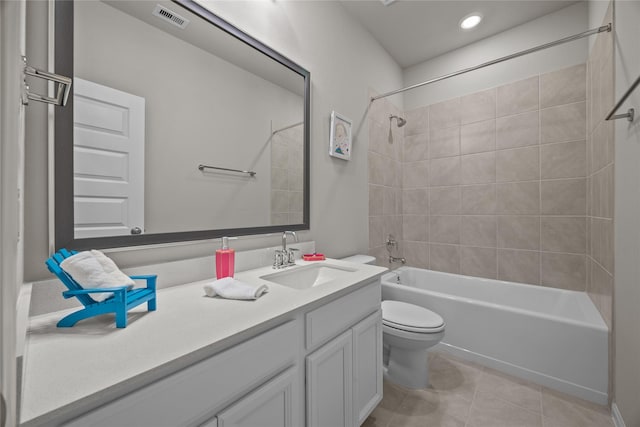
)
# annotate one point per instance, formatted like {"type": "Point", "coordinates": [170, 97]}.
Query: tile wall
{"type": "Point", "coordinates": [494, 183]}
{"type": "Point", "coordinates": [600, 143]}
{"type": "Point", "coordinates": [287, 182]}
{"type": "Point", "coordinates": [385, 179]}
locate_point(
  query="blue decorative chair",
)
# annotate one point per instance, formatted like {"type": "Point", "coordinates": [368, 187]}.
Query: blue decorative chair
{"type": "Point", "coordinates": [122, 300]}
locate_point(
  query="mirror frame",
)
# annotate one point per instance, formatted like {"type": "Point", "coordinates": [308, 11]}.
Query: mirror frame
{"type": "Point", "coordinates": [63, 136]}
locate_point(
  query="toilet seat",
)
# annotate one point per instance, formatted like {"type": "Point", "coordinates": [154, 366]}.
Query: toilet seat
{"type": "Point", "coordinates": [411, 318]}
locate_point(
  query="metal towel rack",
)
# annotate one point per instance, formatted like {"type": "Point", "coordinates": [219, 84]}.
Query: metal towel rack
{"type": "Point", "coordinates": [629, 115]}
{"type": "Point", "coordinates": [203, 167]}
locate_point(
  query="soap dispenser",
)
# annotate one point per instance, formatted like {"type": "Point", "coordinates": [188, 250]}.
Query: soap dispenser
{"type": "Point", "coordinates": [225, 260]}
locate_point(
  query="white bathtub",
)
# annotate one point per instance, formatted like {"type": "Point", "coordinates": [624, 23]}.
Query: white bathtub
{"type": "Point", "coordinates": [553, 337]}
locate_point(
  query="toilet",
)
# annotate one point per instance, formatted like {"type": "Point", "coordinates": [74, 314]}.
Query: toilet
{"type": "Point", "coordinates": [408, 331]}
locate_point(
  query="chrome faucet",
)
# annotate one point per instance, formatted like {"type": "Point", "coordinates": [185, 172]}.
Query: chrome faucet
{"type": "Point", "coordinates": [285, 257]}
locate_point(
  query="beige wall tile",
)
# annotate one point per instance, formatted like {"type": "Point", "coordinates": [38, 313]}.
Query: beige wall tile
{"type": "Point", "coordinates": [444, 114]}
{"type": "Point", "coordinates": [566, 271]}
{"type": "Point", "coordinates": [376, 199]}
{"type": "Point", "coordinates": [478, 137]}
{"type": "Point", "coordinates": [280, 219]}
{"type": "Point", "coordinates": [519, 232]}
{"type": "Point", "coordinates": [295, 201]}
{"type": "Point", "coordinates": [416, 254]}
{"type": "Point", "coordinates": [417, 121]}
{"type": "Point", "coordinates": [564, 197]}
{"type": "Point", "coordinates": [518, 198]}
{"type": "Point", "coordinates": [444, 229]}
{"type": "Point", "coordinates": [602, 146]}
{"type": "Point", "coordinates": [444, 142]}
{"type": "Point", "coordinates": [389, 201]}
{"type": "Point", "coordinates": [564, 234]}
{"type": "Point", "coordinates": [444, 200]}
{"type": "Point", "coordinates": [478, 199]}
{"type": "Point", "coordinates": [563, 86]}
{"type": "Point", "coordinates": [444, 258]}
{"type": "Point", "coordinates": [376, 168]}
{"type": "Point", "coordinates": [415, 201]}
{"type": "Point", "coordinates": [416, 147]}
{"type": "Point", "coordinates": [392, 225]}
{"type": "Point", "coordinates": [414, 228]}
{"type": "Point", "coordinates": [563, 123]}
{"type": "Point", "coordinates": [520, 130]}
{"type": "Point", "coordinates": [602, 241]}
{"type": "Point", "coordinates": [391, 171]}
{"type": "Point", "coordinates": [279, 179]}
{"type": "Point", "coordinates": [602, 192]}
{"type": "Point", "coordinates": [295, 179]}
{"type": "Point", "coordinates": [445, 171]}
{"type": "Point", "coordinates": [519, 266]}
{"type": "Point", "coordinates": [518, 164]}
{"type": "Point", "coordinates": [478, 106]}
{"type": "Point", "coordinates": [478, 230]}
{"type": "Point", "coordinates": [414, 174]}
{"type": "Point", "coordinates": [478, 262]}
{"type": "Point", "coordinates": [376, 231]}
{"type": "Point", "coordinates": [279, 201]}
{"type": "Point", "coordinates": [563, 160]}
{"type": "Point", "coordinates": [517, 97]}
{"type": "Point", "coordinates": [478, 168]}
{"type": "Point", "coordinates": [600, 290]}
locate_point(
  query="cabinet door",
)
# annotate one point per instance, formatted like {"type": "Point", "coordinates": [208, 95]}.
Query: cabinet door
{"type": "Point", "coordinates": [329, 384]}
{"type": "Point", "coordinates": [367, 366]}
{"type": "Point", "coordinates": [271, 405]}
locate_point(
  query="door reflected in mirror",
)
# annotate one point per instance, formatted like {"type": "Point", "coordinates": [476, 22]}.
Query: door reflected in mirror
{"type": "Point", "coordinates": [181, 130]}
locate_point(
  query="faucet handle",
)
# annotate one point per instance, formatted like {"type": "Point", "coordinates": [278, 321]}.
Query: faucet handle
{"type": "Point", "coordinates": [291, 255]}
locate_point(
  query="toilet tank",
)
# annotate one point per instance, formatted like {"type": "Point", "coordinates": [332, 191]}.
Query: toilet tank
{"type": "Point", "coordinates": [360, 259]}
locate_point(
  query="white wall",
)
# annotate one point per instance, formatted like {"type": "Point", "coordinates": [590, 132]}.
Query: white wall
{"type": "Point", "coordinates": [563, 23]}
{"type": "Point", "coordinates": [627, 217]}
{"type": "Point", "coordinates": [345, 63]}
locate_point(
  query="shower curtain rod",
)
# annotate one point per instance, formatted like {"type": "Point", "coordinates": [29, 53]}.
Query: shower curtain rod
{"type": "Point", "coordinates": [497, 61]}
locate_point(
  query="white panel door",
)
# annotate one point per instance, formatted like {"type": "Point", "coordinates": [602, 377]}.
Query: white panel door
{"type": "Point", "coordinates": [108, 159]}
{"type": "Point", "coordinates": [329, 384]}
{"type": "Point", "coordinates": [367, 366]}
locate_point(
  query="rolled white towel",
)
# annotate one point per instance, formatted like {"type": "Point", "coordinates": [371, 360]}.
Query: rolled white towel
{"type": "Point", "coordinates": [92, 269]}
{"type": "Point", "coordinates": [230, 288]}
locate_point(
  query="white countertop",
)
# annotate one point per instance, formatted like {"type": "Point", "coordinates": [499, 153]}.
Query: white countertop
{"type": "Point", "coordinates": [71, 368]}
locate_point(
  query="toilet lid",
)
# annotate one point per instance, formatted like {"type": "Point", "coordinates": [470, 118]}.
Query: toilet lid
{"type": "Point", "coordinates": [410, 317]}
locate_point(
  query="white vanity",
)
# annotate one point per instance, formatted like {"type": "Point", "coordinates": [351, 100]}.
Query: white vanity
{"type": "Point", "coordinates": [294, 357]}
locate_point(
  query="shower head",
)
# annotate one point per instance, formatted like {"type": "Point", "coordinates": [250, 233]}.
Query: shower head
{"type": "Point", "coordinates": [399, 120]}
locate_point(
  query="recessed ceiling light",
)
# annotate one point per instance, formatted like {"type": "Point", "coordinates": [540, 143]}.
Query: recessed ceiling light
{"type": "Point", "coordinates": [470, 21]}
{"type": "Point", "coordinates": [387, 2]}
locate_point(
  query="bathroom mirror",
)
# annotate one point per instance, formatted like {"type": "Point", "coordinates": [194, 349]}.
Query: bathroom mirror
{"type": "Point", "coordinates": [179, 127]}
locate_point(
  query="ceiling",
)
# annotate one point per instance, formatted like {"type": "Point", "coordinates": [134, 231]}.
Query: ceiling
{"type": "Point", "coordinates": [413, 31]}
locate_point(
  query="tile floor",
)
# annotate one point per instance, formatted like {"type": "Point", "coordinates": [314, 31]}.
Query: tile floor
{"type": "Point", "coordinates": [464, 394]}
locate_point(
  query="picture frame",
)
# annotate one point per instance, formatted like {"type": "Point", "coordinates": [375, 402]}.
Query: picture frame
{"type": "Point", "coordinates": [340, 136]}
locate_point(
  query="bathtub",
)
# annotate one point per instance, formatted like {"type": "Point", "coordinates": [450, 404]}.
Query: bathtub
{"type": "Point", "coordinates": [550, 336]}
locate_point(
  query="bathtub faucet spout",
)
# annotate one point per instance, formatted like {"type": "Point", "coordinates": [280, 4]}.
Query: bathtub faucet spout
{"type": "Point", "coordinates": [393, 259]}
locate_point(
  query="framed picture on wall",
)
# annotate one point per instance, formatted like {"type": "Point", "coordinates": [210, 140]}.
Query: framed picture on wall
{"type": "Point", "coordinates": [340, 137]}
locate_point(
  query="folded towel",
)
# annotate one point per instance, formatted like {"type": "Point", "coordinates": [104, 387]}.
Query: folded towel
{"type": "Point", "coordinates": [230, 288]}
{"type": "Point", "coordinates": [93, 269]}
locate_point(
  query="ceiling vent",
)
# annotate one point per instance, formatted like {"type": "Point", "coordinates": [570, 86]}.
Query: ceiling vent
{"type": "Point", "coordinates": [170, 16]}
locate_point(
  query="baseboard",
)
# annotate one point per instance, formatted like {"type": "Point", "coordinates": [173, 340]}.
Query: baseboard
{"type": "Point", "coordinates": [617, 416]}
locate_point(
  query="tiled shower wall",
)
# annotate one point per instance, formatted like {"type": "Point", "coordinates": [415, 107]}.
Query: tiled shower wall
{"type": "Point", "coordinates": [494, 183]}
{"type": "Point", "coordinates": [385, 179]}
{"type": "Point", "coordinates": [600, 144]}
{"type": "Point", "coordinates": [286, 176]}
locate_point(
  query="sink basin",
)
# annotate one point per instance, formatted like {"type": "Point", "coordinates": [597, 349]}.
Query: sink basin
{"type": "Point", "coordinates": [308, 276]}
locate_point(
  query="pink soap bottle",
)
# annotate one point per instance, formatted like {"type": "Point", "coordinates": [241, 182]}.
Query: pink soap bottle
{"type": "Point", "coordinates": [225, 260]}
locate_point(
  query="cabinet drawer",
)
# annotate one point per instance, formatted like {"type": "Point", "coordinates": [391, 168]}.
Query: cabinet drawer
{"type": "Point", "coordinates": [204, 387]}
{"type": "Point", "coordinates": [335, 317]}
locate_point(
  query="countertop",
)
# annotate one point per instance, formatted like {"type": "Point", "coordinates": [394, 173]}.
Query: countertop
{"type": "Point", "coordinates": [68, 369]}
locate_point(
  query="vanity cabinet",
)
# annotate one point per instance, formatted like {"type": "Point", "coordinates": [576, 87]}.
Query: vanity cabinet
{"type": "Point", "coordinates": [344, 376]}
